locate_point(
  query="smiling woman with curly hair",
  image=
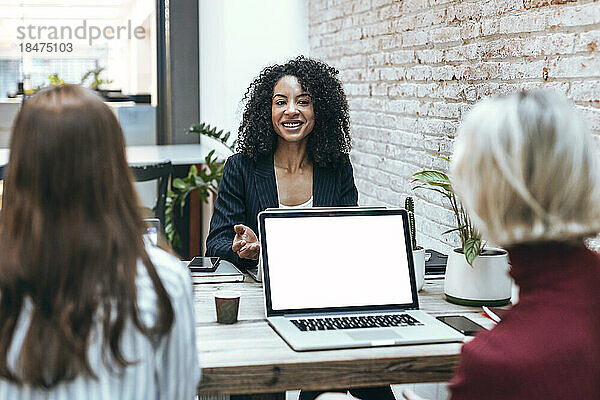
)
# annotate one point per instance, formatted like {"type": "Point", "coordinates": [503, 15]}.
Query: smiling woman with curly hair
{"type": "Point", "coordinates": [294, 142]}
{"type": "Point", "coordinates": [293, 148]}
{"type": "Point", "coordinates": [329, 140]}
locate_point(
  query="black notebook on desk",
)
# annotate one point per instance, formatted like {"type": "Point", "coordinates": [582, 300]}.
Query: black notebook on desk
{"type": "Point", "coordinates": [435, 265]}
{"type": "Point", "coordinates": [225, 272]}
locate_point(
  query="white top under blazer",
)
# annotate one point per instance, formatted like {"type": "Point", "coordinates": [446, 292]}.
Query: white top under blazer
{"type": "Point", "coordinates": [307, 204]}
{"type": "Point", "coordinates": [166, 369]}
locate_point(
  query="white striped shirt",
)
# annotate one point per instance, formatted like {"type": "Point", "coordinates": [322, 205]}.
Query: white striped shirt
{"type": "Point", "coordinates": [167, 369]}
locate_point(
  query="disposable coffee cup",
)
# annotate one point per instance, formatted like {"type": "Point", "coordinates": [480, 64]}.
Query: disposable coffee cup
{"type": "Point", "coordinates": [227, 303]}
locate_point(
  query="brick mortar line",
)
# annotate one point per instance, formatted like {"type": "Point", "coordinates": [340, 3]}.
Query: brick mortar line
{"type": "Point", "coordinates": [390, 172]}
{"type": "Point", "coordinates": [411, 81]}
{"type": "Point", "coordinates": [589, 104]}
{"type": "Point", "coordinates": [493, 80]}
{"type": "Point", "coordinates": [411, 98]}
{"type": "Point", "coordinates": [446, 6]}
{"type": "Point", "coordinates": [382, 141]}
{"type": "Point", "coordinates": [524, 60]}
{"type": "Point", "coordinates": [399, 131]}
{"type": "Point", "coordinates": [412, 116]}
{"type": "Point", "coordinates": [462, 42]}
{"type": "Point", "coordinates": [420, 149]}
{"type": "Point", "coordinates": [582, 103]}
{"type": "Point", "coordinates": [451, 24]}
{"type": "Point", "coordinates": [431, 100]}
{"type": "Point", "coordinates": [407, 162]}
{"type": "Point", "coordinates": [444, 100]}
{"type": "Point", "coordinates": [407, 114]}
{"type": "Point", "coordinates": [428, 8]}
{"type": "Point", "coordinates": [439, 101]}
{"type": "Point", "coordinates": [419, 165]}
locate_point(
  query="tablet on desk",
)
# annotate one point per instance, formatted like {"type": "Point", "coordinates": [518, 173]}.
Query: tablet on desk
{"type": "Point", "coordinates": [204, 264]}
{"type": "Point", "coordinates": [225, 272]}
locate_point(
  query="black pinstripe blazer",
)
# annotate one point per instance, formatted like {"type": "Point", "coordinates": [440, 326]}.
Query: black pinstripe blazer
{"type": "Point", "coordinates": [249, 187]}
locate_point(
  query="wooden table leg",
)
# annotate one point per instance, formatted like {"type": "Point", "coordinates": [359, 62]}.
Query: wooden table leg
{"type": "Point", "coordinates": [195, 222]}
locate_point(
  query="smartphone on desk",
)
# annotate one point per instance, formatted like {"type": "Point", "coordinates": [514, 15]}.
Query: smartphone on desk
{"type": "Point", "coordinates": [204, 264]}
{"type": "Point", "coordinates": [462, 324]}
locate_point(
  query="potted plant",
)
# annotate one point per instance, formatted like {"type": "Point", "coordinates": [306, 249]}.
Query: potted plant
{"type": "Point", "coordinates": [417, 251]}
{"type": "Point", "coordinates": [476, 275]}
{"type": "Point", "coordinates": [55, 80]}
{"type": "Point", "coordinates": [96, 81]}
{"type": "Point", "coordinates": [204, 181]}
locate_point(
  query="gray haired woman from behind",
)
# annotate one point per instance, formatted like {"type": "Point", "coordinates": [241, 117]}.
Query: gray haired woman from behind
{"type": "Point", "coordinates": [526, 169]}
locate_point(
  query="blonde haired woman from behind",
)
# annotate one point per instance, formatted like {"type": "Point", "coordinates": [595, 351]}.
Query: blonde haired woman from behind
{"type": "Point", "coordinates": [87, 310]}
{"type": "Point", "coordinates": [526, 169]}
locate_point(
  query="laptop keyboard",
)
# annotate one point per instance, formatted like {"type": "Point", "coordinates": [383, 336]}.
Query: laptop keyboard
{"type": "Point", "coordinates": [366, 321]}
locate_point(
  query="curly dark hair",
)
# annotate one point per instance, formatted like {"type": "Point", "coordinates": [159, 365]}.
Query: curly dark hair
{"type": "Point", "coordinates": [329, 140]}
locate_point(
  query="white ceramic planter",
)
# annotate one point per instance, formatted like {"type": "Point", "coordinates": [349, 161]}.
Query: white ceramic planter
{"type": "Point", "coordinates": [485, 283]}
{"type": "Point", "coordinates": [419, 263]}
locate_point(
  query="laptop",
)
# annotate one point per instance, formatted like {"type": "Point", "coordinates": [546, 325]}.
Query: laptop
{"type": "Point", "coordinates": [343, 278]}
{"type": "Point", "coordinates": [256, 272]}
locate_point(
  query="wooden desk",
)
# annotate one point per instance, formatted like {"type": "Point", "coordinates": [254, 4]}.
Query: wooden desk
{"type": "Point", "coordinates": [249, 357]}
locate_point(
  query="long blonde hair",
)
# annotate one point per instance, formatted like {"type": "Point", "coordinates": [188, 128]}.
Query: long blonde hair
{"type": "Point", "coordinates": [526, 168]}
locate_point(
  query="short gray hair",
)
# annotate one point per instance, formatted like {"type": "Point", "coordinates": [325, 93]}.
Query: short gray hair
{"type": "Point", "coordinates": [525, 167]}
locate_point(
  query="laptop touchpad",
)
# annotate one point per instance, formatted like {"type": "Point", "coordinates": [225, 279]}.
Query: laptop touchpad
{"type": "Point", "coordinates": [372, 335]}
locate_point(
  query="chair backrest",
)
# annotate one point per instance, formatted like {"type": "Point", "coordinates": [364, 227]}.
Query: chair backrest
{"type": "Point", "coordinates": [161, 172]}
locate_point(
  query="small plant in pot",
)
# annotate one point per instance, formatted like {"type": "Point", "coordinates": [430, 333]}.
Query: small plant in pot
{"type": "Point", "coordinates": [417, 251]}
{"type": "Point", "coordinates": [476, 275]}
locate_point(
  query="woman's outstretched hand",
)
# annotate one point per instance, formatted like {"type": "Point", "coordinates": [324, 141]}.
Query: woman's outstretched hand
{"type": "Point", "coordinates": [245, 242]}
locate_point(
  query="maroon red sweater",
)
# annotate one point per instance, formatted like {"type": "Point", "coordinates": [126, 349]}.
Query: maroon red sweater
{"type": "Point", "coordinates": [548, 345]}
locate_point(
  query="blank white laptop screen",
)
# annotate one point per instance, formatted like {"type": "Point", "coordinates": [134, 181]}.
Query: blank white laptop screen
{"type": "Point", "coordinates": [322, 262]}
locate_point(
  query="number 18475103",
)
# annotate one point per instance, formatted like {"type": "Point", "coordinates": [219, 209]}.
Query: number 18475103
{"type": "Point", "coordinates": [46, 47]}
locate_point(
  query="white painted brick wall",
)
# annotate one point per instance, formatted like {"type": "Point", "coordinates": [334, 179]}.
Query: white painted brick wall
{"type": "Point", "coordinates": [413, 68]}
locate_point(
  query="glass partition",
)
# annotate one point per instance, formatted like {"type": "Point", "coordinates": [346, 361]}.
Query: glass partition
{"type": "Point", "coordinates": [108, 45]}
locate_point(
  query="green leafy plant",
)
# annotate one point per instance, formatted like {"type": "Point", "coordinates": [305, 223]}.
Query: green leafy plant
{"type": "Point", "coordinates": [55, 80]}
{"type": "Point", "coordinates": [207, 130]}
{"type": "Point", "coordinates": [205, 181]}
{"type": "Point", "coordinates": [470, 238]}
{"type": "Point", "coordinates": [96, 82]}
